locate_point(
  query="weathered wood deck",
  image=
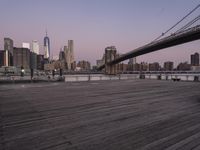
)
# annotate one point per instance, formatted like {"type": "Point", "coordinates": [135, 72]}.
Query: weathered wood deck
{"type": "Point", "coordinates": [104, 115]}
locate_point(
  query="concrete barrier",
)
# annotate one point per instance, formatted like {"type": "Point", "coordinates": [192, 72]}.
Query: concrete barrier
{"type": "Point", "coordinates": [196, 78]}
{"type": "Point", "coordinates": [159, 77]}
{"type": "Point", "coordinates": [142, 76]}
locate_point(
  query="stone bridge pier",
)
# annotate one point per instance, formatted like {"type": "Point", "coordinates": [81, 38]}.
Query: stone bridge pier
{"type": "Point", "coordinates": [110, 55]}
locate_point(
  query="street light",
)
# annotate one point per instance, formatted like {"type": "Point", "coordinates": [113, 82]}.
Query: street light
{"type": "Point", "coordinates": [22, 71]}
{"type": "Point", "coordinates": [53, 73]}
{"type": "Point", "coordinates": [31, 73]}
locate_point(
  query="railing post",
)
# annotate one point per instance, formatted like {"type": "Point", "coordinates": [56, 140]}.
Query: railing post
{"type": "Point", "coordinates": [196, 78]}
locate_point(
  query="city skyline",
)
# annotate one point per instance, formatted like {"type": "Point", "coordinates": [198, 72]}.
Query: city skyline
{"type": "Point", "coordinates": [94, 25]}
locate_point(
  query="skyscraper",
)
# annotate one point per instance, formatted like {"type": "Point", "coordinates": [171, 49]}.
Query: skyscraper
{"type": "Point", "coordinates": [35, 47]}
{"type": "Point", "coordinates": [46, 47]}
{"type": "Point", "coordinates": [67, 57]}
{"type": "Point", "coordinates": [61, 55]}
{"type": "Point", "coordinates": [8, 47]}
{"type": "Point", "coordinates": [195, 59]}
{"type": "Point", "coordinates": [26, 45]}
{"type": "Point", "coordinates": [33, 60]}
{"type": "Point", "coordinates": [21, 57]}
{"type": "Point", "coordinates": [71, 49]}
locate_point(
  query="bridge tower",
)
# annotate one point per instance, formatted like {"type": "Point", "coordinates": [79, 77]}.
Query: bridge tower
{"type": "Point", "coordinates": [110, 55]}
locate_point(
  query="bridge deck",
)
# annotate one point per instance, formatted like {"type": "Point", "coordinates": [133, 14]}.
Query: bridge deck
{"type": "Point", "coordinates": [114, 115]}
{"type": "Point", "coordinates": [188, 35]}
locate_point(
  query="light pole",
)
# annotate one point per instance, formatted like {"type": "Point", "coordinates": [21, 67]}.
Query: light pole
{"type": "Point", "coordinates": [22, 71]}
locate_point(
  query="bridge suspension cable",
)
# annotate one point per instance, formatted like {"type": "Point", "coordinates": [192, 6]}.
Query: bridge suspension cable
{"type": "Point", "coordinates": [188, 24]}
{"type": "Point", "coordinates": [178, 22]}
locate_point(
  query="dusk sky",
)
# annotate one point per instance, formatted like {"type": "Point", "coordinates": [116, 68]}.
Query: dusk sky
{"type": "Point", "coordinates": [96, 24]}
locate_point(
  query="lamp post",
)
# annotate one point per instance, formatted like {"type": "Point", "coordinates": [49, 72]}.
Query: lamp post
{"type": "Point", "coordinates": [31, 73]}
{"type": "Point", "coordinates": [22, 71]}
{"type": "Point", "coordinates": [53, 73]}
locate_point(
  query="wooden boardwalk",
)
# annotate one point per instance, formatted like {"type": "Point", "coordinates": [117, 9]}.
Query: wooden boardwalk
{"type": "Point", "coordinates": [103, 115]}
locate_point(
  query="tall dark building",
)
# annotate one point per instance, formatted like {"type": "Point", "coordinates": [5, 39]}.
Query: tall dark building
{"type": "Point", "coordinates": [21, 57]}
{"type": "Point", "coordinates": [195, 59]}
{"type": "Point", "coordinates": [2, 61]}
{"type": "Point", "coordinates": [69, 55]}
{"type": "Point", "coordinates": [33, 60]}
{"type": "Point", "coordinates": [62, 55]}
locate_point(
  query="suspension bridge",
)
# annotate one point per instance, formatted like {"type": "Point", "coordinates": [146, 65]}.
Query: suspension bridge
{"type": "Point", "coordinates": [185, 34]}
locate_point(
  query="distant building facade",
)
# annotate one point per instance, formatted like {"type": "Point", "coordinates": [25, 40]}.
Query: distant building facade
{"type": "Point", "coordinates": [132, 64]}
{"type": "Point", "coordinates": [2, 61]}
{"type": "Point", "coordinates": [154, 66]}
{"type": "Point", "coordinates": [143, 66]}
{"type": "Point", "coordinates": [8, 47]}
{"type": "Point", "coordinates": [184, 66]}
{"type": "Point", "coordinates": [168, 66]}
{"type": "Point", "coordinates": [100, 62]}
{"type": "Point", "coordinates": [71, 49]}
{"type": "Point", "coordinates": [84, 65]}
{"type": "Point", "coordinates": [122, 67]}
{"type": "Point", "coordinates": [33, 60]}
{"type": "Point", "coordinates": [21, 57]}
{"type": "Point", "coordinates": [69, 55]}
{"type": "Point", "coordinates": [40, 62]}
{"type": "Point", "coordinates": [195, 68]}
{"type": "Point", "coordinates": [35, 47]}
{"type": "Point", "coordinates": [26, 45]}
{"type": "Point", "coordinates": [195, 59]}
{"type": "Point", "coordinates": [61, 55]}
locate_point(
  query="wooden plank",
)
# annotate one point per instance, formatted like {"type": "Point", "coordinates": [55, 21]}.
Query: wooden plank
{"type": "Point", "coordinates": [128, 114]}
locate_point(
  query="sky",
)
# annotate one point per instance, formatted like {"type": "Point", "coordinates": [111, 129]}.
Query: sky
{"type": "Point", "coordinates": [96, 24]}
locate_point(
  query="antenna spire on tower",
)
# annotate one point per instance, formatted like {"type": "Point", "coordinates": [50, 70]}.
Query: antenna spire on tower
{"type": "Point", "coordinates": [46, 32]}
